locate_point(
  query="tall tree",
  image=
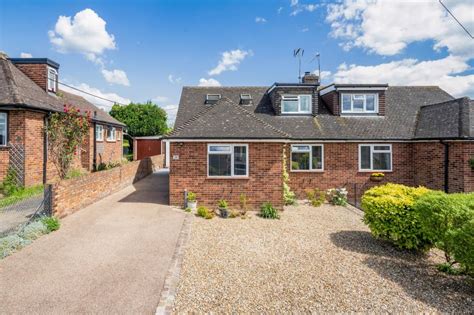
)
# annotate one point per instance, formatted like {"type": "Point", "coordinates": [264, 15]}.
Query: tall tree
{"type": "Point", "coordinates": [141, 119]}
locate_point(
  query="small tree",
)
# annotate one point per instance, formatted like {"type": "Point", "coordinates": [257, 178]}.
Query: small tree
{"type": "Point", "coordinates": [141, 119]}
{"type": "Point", "coordinates": [66, 131]}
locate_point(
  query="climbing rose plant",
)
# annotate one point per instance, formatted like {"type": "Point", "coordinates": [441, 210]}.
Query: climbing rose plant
{"type": "Point", "coordinates": [66, 131]}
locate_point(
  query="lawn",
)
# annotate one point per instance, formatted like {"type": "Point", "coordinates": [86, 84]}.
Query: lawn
{"type": "Point", "coordinates": [20, 195]}
{"type": "Point", "coordinates": [311, 260]}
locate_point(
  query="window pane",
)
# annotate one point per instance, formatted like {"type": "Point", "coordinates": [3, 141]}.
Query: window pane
{"type": "Point", "coordinates": [240, 160]}
{"type": "Point", "coordinates": [219, 165]}
{"type": "Point", "coordinates": [289, 106]}
{"type": "Point", "coordinates": [365, 157]}
{"type": "Point", "coordinates": [317, 163]}
{"type": "Point", "coordinates": [3, 118]}
{"type": "Point", "coordinates": [346, 102]}
{"type": "Point", "coordinates": [219, 148]}
{"type": "Point", "coordinates": [382, 147]}
{"type": "Point", "coordinates": [3, 129]}
{"type": "Point", "coordinates": [358, 102]}
{"type": "Point", "coordinates": [300, 148]}
{"type": "Point", "coordinates": [300, 161]}
{"type": "Point", "coordinates": [381, 161]}
{"type": "Point", "coordinates": [305, 101]}
{"type": "Point", "coordinates": [370, 102]}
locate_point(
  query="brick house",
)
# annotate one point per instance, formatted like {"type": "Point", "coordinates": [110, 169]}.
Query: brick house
{"type": "Point", "coordinates": [232, 140]}
{"type": "Point", "coordinates": [28, 94]}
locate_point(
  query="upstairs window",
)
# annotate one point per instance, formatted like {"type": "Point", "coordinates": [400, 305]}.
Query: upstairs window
{"type": "Point", "coordinates": [245, 99]}
{"type": "Point", "coordinates": [212, 98]}
{"type": "Point", "coordinates": [375, 157]}
{"type": "Point", "coordinates": [306, 157]}
{"type": "Point", "coordinates": [227, 160]}
{"type": "Point", "coordinates": [99, 133]}
{"type": "Point", "coordinates": [52, 79]}
{"type": "Point", "coordinates": [111, 135]}
{"type": "Point", "coordinates": [359, 103]}
{"type": "Point", "coordinates": [296, 104]}
{"type": "Point", "coordinates": [3, 129]}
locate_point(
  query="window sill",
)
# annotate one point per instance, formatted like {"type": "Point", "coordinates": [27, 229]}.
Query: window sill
{"type": "Point", "coordinates": [307, 171]}
{"type": "Point", "coordinates": [373, 171]}
{"type": "Point", "coordinates": [97, 140]}
{"type": "Point", "coordinates": [111, 140]}
{"type": "Point", "coordinates": [228, 177]}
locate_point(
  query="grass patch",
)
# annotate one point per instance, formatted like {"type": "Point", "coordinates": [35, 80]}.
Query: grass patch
{"type": "Point", "coordinates": [21, 194]}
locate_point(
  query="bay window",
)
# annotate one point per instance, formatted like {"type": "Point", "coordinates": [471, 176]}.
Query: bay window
{"type": "Point", "coordinates": [296, 104]}
{"type": "Point", "coordinates": [3, 129]}
{"type": "Point", "coordinates": [359, 103]}
{"type": "Point", "coordinates": [306, 157]}
{"type": "Point", "coordinates": [375, 157]}
{"type": "Point", "coordinates": [227, 160]}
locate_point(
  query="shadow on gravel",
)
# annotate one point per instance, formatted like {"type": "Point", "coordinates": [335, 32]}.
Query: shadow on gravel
{"type": "Point", "coordinates": [364, 243]}
{"type": "Point", "coordinates": [420, 280]}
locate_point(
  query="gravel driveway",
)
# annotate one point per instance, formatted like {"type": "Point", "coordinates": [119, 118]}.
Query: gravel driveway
{"type": "Point", "coordinates": [312, 260]}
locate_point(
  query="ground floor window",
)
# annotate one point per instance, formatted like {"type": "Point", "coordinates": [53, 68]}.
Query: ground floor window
{"type": "Point", "coordinates": [99, 132]}
{"type": "Point", "coordinates": [3, 129]}
{"type": "Point", "coordinates": [230, 160]}
{"type": "Point", "coordinates": [307, 157]}
{"type": "Point", "coordinates": [375, 157]}
{"type": "Point", "coordinates": [111, 136]}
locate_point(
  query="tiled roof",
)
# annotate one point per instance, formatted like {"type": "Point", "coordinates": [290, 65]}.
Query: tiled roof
{"type": "Point", "coordinates": [399, 123]}
{"type": "Point", "coordinates": [17, 90]}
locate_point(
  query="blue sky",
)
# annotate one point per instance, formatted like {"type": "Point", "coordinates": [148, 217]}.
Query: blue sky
{"type": "Point", "coordinates": [147, 50]}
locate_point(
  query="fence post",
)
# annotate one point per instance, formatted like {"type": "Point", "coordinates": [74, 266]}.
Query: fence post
{"type": "Point", "coordinates": [48, 200]}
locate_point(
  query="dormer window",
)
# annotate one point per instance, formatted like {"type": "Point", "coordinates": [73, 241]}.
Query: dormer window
{"type": "Point", "coordinates": [212, 98]}
{"type": "Point", "coordinates": [296, 104]}
{"type": "Point", "coordinates": [52, 79]}
{"type": "Point", "coordinates": [245, 99]}
{"type": "Point", "coordinates": [359, 103]}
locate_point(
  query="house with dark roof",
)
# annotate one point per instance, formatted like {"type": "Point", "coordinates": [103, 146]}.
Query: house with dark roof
{"type": "Point", "coordinates": [229, 141]}
{"type": "Point", "coordinates": [29, 93]}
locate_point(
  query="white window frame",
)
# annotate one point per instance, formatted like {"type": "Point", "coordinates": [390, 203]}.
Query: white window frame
{"type": "Point", "coordinates": [6, 128]}
{"type": "Point", "coordinates": [364, 111]}
{"type": "Point", "coordinates": [99, 136]}
{"type": "Point", "coordinates": [118, 134]}
{"type": "Point", "coordinates": [311, 145]}
{"type": "Point", "coordinates": [289, 97]}
{"type": "Point", "coordinates": [232, 175]}
{"type": "Point", "coordinates": [52, 85]}
{"type": "Point", "coordinates": [111, 136]}
{"type": "Point", "coordinates": [372, 151]}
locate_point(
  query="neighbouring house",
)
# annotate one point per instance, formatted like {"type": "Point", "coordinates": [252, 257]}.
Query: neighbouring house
{"type": "Point", "coordinates": [233, 140]}
{"type": "Point", "coordinates": [29, 93]}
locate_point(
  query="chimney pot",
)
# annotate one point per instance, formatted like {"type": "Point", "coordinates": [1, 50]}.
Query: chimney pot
{"type": "Point", "coordinates": [310, 78]}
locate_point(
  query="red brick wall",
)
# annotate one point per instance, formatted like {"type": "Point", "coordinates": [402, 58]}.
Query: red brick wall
{"type": "Point", "coordinates": [341, 167]}
{"type": "Point", "coordinates": [34, 148]}
{"type": "Point", "coordinates": [190, 172]}
{"type": "Point", "coordinates": [73, 194]}
{"type": "Point", "coordinates": [36, 72]}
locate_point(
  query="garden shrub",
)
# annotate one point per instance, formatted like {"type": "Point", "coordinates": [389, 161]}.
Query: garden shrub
{"type": "Point", "coordinates": [34, 230]}
{"type": "Point", "coordinates": [202, 211]}
{"type": "Point", "coordinates": [10, 183]}
{"type": "Point", "coordinates": [316, 197]}
{"type": "Point", "coordinates": [11, 243]}
{"type": "Point", "coordinates": [267, 211]}
{"type": "Point", "coordinates": [337, 196]}
{"type": "Point", "coordinates": [448, 219]}
{"type": "Point", "coordinates": [388, 211]}
{"type": "Point", "coordinates": [51, 223]}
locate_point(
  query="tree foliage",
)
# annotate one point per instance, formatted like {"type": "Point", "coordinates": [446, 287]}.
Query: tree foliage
{"type": "Point", "coordinates": [141, 119]}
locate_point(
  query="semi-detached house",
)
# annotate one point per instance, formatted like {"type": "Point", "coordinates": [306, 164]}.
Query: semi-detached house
{"type": "Point", "coordinates": [230, 141]}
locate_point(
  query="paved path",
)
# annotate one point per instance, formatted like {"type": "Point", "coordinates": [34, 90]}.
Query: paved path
{"type": "Point", "coordinates": [111, 257]}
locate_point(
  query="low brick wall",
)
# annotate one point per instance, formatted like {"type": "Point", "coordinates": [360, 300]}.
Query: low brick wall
{"type": "Point", "coordinates": [74, 194]}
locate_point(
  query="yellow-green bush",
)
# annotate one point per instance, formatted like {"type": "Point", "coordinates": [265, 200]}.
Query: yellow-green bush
{"type": "Point", "coordinates": [388, 211]}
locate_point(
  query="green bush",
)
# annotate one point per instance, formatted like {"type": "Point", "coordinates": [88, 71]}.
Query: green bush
{"type": "Point", "coordinates": [51, 223]}
{"type": "Point", "coordinates": [11, 243]}
{"type": "Point", "coordinates": [448, 219]}
{"type": "Point", "coordinates": [202, 211]}
{"type": "Point", "coordinates": [191, 196]}
{"type": "Point", "coordinates": [222, 204]}
{"type": "Point", "coordinates": [267, 211]}
{"type": "Point", "coordinates": [337, 196]}
{"type": "Point", "coordinates": [316, 197]}
{"type": "Point", "coordinates": [388, 211]}
{"type": "Point", "coordinates": [10, 184]}
{"type": "Point", "coordinates": [74, 173]}
{"type": "Point", "coordinates": [34, 230]}
{"type": "Point", "coordinates": [21, 194]}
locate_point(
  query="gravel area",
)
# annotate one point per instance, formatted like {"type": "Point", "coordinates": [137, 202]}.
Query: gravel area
{"type": "Point", "coordinates": [311, 260]}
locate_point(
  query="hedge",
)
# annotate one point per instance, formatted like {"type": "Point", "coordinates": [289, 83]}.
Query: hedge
{"type": "Point", "coordinates": [389, 213]}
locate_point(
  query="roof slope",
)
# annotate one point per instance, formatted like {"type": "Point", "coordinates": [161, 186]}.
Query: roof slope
{"type": "Point", "coordinates": [16, 89]}
{"type": "Point", "coordinates": [399, 122]}
{"type": "Point", "coordinates": [451, 119]}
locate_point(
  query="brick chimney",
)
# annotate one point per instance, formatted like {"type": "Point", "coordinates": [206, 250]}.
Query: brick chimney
{"type": "Point", "coordinates": [42, 71]}
{"type": "Point", "coordinates": [310, 78]}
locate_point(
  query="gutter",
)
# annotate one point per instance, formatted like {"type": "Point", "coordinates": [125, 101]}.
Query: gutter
{"type": "Point", "coordinates": [94, 159]}
{"type": "Point", "coordinates": [45, 150]}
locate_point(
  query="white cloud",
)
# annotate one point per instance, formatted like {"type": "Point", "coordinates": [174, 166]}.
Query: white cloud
{"type": "Point", "coordinates": [388, 27]}
{"type": "Point", "coordinates": [209, 82]}
{"type": "Point", "coordinates": [160, 99]}
{"type": "Point", "coordinates": [105, 105]}
{"type": "Point", "coordinates": [230, 60]}
{"type": "Point", "coordinates": [116, 76]}
{"type": "Point", "coordinates": [174, 80]}
{"type": "Point", "coordinates": [443, 72]}
{"type": "Point", "coordinates": [171, 111]}
{"type": "Point", "coordinates": [293, 3]}
{"type": "Point", "coordinates": [85, 33]}
{"type": "Point", "coordinates": [260, 20]}
{"type": "Point", "coordinates": [26, 55]}
{"type": "Point", "coordinates": [298, 8]}
{"type": "Point", "coordinates": [279, 10]}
